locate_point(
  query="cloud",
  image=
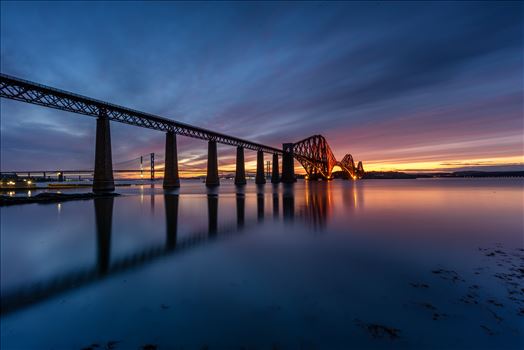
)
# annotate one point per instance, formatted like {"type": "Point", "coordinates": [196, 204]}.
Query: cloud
{"type": "Point", "coordinates": [370, 77]}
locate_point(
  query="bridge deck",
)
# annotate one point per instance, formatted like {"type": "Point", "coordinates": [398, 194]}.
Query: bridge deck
{"type": "Point", "coordinates": [30, 92]}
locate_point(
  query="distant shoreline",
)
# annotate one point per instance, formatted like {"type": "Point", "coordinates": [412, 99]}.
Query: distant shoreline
{"type": "Point", "coordinates": [456, 174]}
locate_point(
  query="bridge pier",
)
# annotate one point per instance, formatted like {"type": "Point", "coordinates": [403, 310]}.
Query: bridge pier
{"type": "Point", "coordinates": [212, 164]}
{"type": "Point", "coordinates": [275, 178]}
{"type": "Point", "coordinates": [240, 173]}
{"type": "Point", "coordinates": [171, 179]}
{"type": "Point", "coordinates": [103, 177]}
{"type": "Point", "coordinates": [288, 166]}
{"type": "Point", "coordinates": [260, 178]}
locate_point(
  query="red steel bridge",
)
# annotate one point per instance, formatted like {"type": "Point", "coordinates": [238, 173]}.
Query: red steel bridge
{"type": "Point", "coordinates": [313, 153]}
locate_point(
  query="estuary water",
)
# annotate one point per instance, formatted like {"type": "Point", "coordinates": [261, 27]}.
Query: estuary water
{"type": "Point", "coordinates": [370, 264]}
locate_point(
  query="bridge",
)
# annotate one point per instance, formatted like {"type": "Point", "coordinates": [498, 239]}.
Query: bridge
{"type": "Point", "coordinates": [313, 153]}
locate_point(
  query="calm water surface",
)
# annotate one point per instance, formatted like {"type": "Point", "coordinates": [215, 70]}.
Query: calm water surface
{"type": "Point", "coordinates": [368, 264]}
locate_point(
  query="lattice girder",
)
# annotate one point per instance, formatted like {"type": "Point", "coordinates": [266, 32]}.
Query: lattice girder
{"type": "Point", "coordinates": [315, 155]}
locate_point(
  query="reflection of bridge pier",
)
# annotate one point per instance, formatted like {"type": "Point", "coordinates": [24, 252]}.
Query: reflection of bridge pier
{"type": "Point", "coordinates": [23, 296]}
{"type": "Point", "coordinates": [275, 202]}
{"type": "Point", "coordinates": [241, 205]}
{"type": "Point", "coordinates": [171, 209]}
{"type": "Point", "coordinates": [212, 213]}
{"type": "Point", "coordinates": [260, 203]}
{"type": "Point", "coordinates": [103, 218]}
{"type": "Point", "coordinates": [288, 203]}
{"type": "Point", "coordinates": [152, 199]}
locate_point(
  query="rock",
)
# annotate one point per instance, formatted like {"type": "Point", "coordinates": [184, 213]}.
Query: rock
{"type": "Point", "coordinates": [380, 331]}
{"type": "Point", "coordinates": [487, 330]}
{"type": "Point", "coordinates": [149, 347]}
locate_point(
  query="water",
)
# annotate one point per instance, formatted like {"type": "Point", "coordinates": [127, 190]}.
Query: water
{"type": "Point", "coordinates": [311, 266]}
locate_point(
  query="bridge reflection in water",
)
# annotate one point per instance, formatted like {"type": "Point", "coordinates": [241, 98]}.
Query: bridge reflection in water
{"type": "Point", "coordinates": [315, 208]}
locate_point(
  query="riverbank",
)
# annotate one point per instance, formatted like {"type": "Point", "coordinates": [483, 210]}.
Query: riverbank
{"type": "Point", "coordinates": [46, 197]}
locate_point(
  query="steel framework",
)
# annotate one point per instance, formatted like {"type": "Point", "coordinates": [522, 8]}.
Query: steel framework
{"type": "Point", "coordinates": [30, 92]}
{"type": "Point", "coordinates": [348, 165]}
{"type": "Point", "coordinates": [315, 156]}
{"type": "Point", "coordinates": [318, 160]}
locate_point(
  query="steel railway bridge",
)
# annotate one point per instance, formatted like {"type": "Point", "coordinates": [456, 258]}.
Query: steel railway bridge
{"type": "Point", "coordinates": [313, 153]}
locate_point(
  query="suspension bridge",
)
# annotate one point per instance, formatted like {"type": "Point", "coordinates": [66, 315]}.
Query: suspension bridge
{"type": "Point", "coordinates": [313, 153]}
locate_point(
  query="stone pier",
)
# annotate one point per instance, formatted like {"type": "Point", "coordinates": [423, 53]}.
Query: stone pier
{"type": "Point", "coordinates": [103, 177]}
{"type": "Point", "coordinates": [212, 164]}
{"type": "Point", "coordinates": [288, 164]}
{"type": "Point", "coordinates": [260, 178]}
{"type": "Point", "coordinates": [275, 178]}
{"type": "Point", "coordinates": [171, 179]}
{"type": "Point", "coordinates": [240, 174]}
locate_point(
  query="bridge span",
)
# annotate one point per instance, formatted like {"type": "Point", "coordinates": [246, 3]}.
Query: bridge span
{"type": "Point", "coordinates": [313, 153]}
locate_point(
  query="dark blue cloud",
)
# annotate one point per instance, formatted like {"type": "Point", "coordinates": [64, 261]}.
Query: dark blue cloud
{"type": "Point", "coordinates": [271, 72]}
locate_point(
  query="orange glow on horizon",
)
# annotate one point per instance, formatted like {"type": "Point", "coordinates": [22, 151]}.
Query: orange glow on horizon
{"type": "Point", "coordinates": [442, 165]}
{"type": "Point", "coordinates": [189, 171]}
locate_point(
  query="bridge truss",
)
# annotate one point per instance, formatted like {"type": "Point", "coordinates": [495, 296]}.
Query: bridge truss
{"type": "Point", "coordinates": [30, 92]}
{"type": "Point", "coordinates": [318, 160]}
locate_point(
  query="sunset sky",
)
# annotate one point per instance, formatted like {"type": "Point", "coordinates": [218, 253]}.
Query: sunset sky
{"type": "Point", "coordinates": [401, 86]}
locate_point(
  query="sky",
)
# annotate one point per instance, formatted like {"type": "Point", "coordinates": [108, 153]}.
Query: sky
{"type": "Point", "coordinates": [408, 86]}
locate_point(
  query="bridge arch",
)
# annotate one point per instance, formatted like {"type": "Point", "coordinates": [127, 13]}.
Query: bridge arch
{"type": "Point", "coordinates": [316, 157]}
